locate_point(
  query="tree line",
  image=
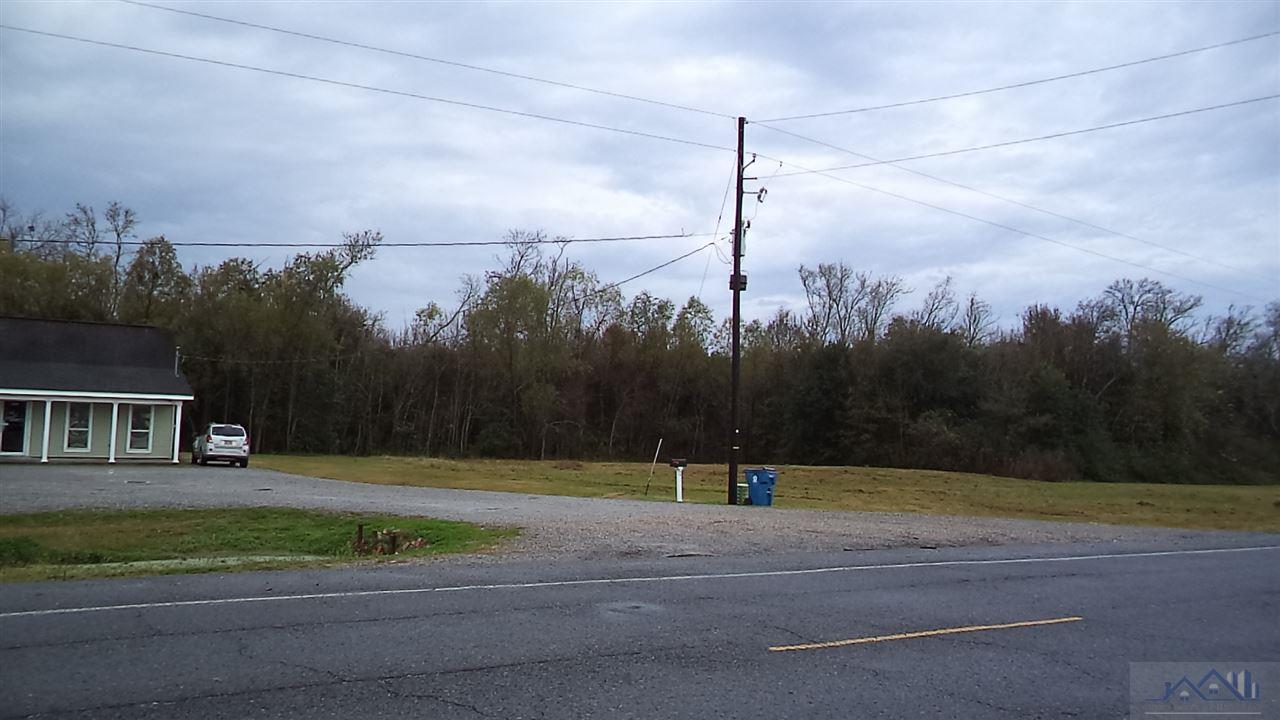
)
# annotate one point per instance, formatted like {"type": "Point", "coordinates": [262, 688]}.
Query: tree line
{"type": "Point", "coordinates": [537, 358]}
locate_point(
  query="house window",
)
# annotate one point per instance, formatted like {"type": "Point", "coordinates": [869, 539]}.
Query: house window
{"type": "Point", "coordinates": [140, 428]}
{"type": "Point", "coordinates": [79, 427]}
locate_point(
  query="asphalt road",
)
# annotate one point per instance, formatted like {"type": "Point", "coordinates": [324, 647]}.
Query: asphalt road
{"type": "Point", "coordinates": [590, 615]}
{"type": "Point", "coordinates": [671, 637]}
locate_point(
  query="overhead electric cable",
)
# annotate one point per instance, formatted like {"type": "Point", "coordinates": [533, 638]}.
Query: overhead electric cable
{"type": "Point", "coordinates": [720, 256]}
{"type": "Point", "coordinates": [425, 58]}
{"type": "Point", "coordinates": [1002, 198]}
{"type": "Point", "coordinates": [445, 243]}
{"type": "Point", "coordinates": [1051, 136]}
{"type": "Point", "coordinates": [651, 270]}
{"type": "Point", "coordinates": [1010, 228]}
{"type": "Point", "coordinates": [370, 88]}
{"type": "Point", "coordinates": [724, 200]}
{"type": "Point", "coordinates": [706, 268]}
{"type": "Point", "coordinates": [756, 210]}
{"type": "Point", "coordinates": [1027, 83]}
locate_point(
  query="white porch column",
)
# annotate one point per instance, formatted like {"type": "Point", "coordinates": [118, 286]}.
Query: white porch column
{"type": "Point", "coordinates": [44, 447]}
{"type": "Point", "coordinates": [177, 428]}
{"type": "Point", "coordinates": [115, 418]}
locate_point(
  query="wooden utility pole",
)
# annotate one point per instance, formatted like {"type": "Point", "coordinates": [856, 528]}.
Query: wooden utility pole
{"type": "Point", "coordinates": [737, 283]}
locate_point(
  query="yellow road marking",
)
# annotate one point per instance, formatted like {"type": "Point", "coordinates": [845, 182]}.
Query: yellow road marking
{"type": "Point", "coordinates": [922, 633]}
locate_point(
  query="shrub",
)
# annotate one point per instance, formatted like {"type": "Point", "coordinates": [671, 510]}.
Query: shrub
{"type": "Point", "coordinates": [18, 551]}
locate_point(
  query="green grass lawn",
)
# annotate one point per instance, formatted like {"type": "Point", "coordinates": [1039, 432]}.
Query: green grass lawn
{"type": "Point", "coordinates": [1223, 507]}
{"type": "Point", "coordinates": [104, 543]}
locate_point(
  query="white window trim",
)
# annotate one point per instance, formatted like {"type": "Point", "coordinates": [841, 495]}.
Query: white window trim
{"type": "Point", "coordinates": [151, 430]}
{"type": "Point", "coordinates": [26, 427]}
{"type": "Point", "coordinates": [66, 430]}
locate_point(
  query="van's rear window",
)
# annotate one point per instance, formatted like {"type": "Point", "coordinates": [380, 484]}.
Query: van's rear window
{"type": "Point", "coordinates": [228, 431]}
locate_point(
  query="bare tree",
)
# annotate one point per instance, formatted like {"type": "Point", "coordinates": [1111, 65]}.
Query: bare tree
{"type": "Point", "coordinates": [524, 252]}
{"type": "Point", "coordinates": [81, 229]}
{"type": "Point", "coordinates": [1266, 341]}
{"type": "Point", "coordinates": [1130, 303]}
{"type": "Point", "coordinates": [976, 324]}
{"type": "Point", "coordinates": [1230, 333]}
{"type": "Point", "coordinates": [1097, 314]}
{"type": "Point", "coordinates": [834, 293]}
{"type": "Point", "coordinates": [939, 309]}
{"type": "Point", "coordinates": [877, 305]}
{"type": "Point", "coordinates": [121, 220]}
{"type": "Point", "coordinates": [30, 233]}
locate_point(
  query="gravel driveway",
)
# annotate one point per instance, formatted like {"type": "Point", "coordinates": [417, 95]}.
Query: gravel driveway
{"type": "Point", "coordinates": [559, 526]}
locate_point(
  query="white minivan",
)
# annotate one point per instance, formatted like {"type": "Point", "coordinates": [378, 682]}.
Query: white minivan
{"type": "Point", "coordinates": [221, 441]}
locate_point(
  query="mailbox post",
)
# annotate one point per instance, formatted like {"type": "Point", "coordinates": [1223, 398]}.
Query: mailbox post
{"type": "Point", "coordinates": [679, 464]}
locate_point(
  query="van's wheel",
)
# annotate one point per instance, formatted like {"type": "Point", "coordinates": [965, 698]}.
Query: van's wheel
{"type": "Point", "coordinates": [244, 463]}
{"type": "Point", "coordinates": [204, 460]}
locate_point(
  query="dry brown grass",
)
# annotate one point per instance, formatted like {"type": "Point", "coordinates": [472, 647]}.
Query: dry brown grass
{"type": "Point", "coordinates": [1223, 507]}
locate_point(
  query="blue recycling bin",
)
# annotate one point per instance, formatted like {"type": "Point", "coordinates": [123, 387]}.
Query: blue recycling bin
{"type": "Point", "coordinates": [760, 482]}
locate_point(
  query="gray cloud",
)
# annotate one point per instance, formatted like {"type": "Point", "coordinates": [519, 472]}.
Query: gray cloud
{"type": "Point", "coordinates": [211, 153]}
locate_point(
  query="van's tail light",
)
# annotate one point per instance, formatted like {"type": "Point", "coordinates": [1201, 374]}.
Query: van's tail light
{"type": "Point", "coordinates": [208, 438]}
{"type": "Point", "coordinates": [246, 441]}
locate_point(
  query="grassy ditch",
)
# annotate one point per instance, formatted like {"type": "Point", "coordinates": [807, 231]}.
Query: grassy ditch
{"type": "Point", "coordinates": [1207, 507]}
{"type": "Point", "coordinates": [111, 543]}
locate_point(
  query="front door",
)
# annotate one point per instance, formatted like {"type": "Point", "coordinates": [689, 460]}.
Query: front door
{"type": "Point", "coordinates": [13, 426]}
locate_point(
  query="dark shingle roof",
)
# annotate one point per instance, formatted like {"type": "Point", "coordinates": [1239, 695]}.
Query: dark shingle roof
{"type": "Point", "coordinates": [86, 356]}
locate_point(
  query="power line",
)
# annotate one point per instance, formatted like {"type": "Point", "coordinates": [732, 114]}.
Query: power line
{"type": "Point", "coordinates": [706, 268]}
{"type": "Point", "coordinates": [720, 256]}
{"type": "Point", "coordinates": [724, 199]}
{"type": "Point", "coordinates": [1008, 143]}
{"type": "Point", "coordinates": [448, 243]}
{"type": "Point", "coordinates": [756, 211]}
{"type": "Point", "coordinates": [425, 58]}
{"type": "Point", "coordinates": [1009, 200]}
{"type": "Point", "coordinates": [650, 271]}
{"type": "Point", "coordinates": [1027, 83]}
{"type": "Point", "coordinates": [1010, 228]}
{"type": "Point", "coordinates": [370, 88]}
{"type": "Point", "coordinates": [801, 170]}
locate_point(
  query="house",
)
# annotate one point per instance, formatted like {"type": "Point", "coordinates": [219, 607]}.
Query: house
{"type": "Point", "coordinates": [81, 390]}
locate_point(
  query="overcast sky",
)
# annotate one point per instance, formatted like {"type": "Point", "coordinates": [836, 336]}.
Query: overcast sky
{"type": "Point", "coordinates": [212, 153]}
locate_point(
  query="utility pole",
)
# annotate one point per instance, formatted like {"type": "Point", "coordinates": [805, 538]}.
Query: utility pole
{"type": "Point", "coordinates": [737, 283]}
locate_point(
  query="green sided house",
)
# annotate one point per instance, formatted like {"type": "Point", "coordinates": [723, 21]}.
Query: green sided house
{"type": "Point", "coordinates": [84, 390]}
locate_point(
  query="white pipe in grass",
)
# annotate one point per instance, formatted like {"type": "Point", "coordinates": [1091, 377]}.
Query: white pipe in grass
{"type": "Point", "coordinates": [651, 467]}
